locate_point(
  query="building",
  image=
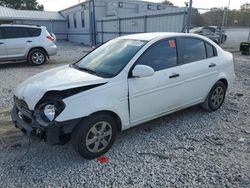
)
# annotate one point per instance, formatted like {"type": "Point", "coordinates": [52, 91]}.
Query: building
{"type": "Point", "coordinates": [96, 21]}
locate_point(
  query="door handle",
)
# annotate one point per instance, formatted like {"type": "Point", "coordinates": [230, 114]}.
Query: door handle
{"type": "Point", "coordinates": [212, 65]}
{"type": "Point", "coordinates": [29, 41]}
{"type": "Point", "coordinates": [1, 43]}
{"type": "Point", "coordinates": [174, 75]}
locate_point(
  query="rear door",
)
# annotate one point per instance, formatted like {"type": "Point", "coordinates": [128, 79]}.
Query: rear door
{"type": "Point", "coordinates": [18, 41]}
{"type": "Point", "coordinates": [198, 66]}
{"type": "Point", "coordinates": [3, 53]}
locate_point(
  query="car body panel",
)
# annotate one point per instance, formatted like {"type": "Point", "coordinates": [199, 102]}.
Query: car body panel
{"type": "Point", "coordinates": [57, 79]}
{"type": "Point", "coordinates": [133, 100]}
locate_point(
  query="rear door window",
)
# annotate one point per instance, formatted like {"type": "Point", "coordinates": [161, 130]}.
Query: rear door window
{"type": "Point", "coordinates": [191, 50]}
{"type": "Point", "coordinates": [16, 32]}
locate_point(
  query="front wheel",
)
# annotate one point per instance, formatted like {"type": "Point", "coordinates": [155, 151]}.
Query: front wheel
{"type": "Point", "coordinates": [94, 136]}
{"type": "Point", "coordinates": [37, 57]}
{"type": "Point", "coordinates": [215, 97]}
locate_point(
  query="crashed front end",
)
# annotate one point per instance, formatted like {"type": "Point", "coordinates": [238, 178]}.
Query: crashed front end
{"type": "Point", "coordinates": [37, 125]}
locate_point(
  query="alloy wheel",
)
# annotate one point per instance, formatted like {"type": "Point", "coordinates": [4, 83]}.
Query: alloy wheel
{"type": "Point", "coordinates": [99, 137]}
{"type": "Point", "coordinates": [217, 97]}
{"type": "Point", "coordinates": [38, 58]}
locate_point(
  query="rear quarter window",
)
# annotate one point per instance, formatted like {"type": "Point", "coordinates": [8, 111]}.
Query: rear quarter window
{"type": "Point", "coordinates": [34, 32]}
{"type": "Point", "coordinates": [211, 51]}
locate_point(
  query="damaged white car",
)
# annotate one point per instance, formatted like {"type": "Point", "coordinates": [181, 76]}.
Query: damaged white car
{"type": "Point", "coordinates": [123, 83]}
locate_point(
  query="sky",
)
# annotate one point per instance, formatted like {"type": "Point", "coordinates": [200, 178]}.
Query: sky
{"type": "Point", "coordinates": [55, 5]}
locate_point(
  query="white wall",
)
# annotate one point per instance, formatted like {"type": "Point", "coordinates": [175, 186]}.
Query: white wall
{"type": "Point", "coordinates": [105, 9]}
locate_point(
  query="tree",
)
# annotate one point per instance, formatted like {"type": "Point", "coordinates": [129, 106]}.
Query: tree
{"type": "Point", "coordinates": [22, 4]}
{"type": "Point", "coordinates": [245, 7]}
{"type": "Point", "coordinates": [197, 19]}
{"type": "Point", "coordinates": [166, 2]}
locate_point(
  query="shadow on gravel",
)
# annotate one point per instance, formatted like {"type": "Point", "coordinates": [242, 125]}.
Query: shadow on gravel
{"type": "Point", "coordinates": [18, 64]}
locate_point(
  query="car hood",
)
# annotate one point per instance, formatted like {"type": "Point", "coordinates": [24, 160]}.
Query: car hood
{"type": "Point", "coordinates": [58, 79]}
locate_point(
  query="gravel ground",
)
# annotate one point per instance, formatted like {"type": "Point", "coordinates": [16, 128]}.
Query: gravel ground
{"type": "Point", "coordinates": [190, 148]}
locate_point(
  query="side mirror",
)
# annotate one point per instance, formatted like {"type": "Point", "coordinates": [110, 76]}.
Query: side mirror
{"type": "Point", "coordinates": [142, 71]}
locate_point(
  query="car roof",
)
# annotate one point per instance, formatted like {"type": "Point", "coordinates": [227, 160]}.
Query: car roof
{"type": "Point", "coordinates": [21, 25]}
{"type": "Point", "coordinates": [151, 36]}
{"type": "Point", "coordinates": [199, 29]}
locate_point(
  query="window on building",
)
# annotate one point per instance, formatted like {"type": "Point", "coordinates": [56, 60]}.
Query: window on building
{"type": "Point", "coordinates": [150, 7]}
{"type": "Point", "coordinates": [120, 4]}
{"type": "Point", "coordinates": [75, 21]}
{"type": "Point", "coordinates": [159, 7]}
{"type": "Point", "coordinates": [191, 49]}
{"type": "Point", "coordinates": [160, 56]}
{"type": "Point", "coordinates": [83, 19]}
{"type": "Point", "coordinates": [16, 32]}
{"type": "Point", "coordinates": [68, 21]}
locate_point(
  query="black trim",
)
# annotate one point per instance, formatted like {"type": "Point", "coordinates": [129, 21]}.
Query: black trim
{"type": "Point", "coordinates": [72, 91]}
{"type": "Point", "coordinates": [51, 134]}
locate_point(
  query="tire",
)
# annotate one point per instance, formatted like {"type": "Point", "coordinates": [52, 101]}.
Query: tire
{"type": "Point", "coordinates": [90, 130]}
{"type": "Point", "coordinates": [37, 57]}
{"type": "Point", "coordinates": [215, 97]}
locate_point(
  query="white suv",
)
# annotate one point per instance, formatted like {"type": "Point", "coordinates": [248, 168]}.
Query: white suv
{"type": "Point", "coordinates": [26, 42]}
{"type": "Point", "coordinates": [123, 83]}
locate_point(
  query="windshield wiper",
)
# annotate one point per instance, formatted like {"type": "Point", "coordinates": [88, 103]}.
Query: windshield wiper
{"type": "Point", "coordinates": [90, 71]}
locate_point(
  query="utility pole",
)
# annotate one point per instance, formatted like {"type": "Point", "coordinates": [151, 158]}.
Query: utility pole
{"type": "Point", "coordinates": [92, 22]}
{"type": "Point", "coordinates": [189, 15]}
{"type": "Point", "coordinates": [248, 40]}
{"type": "Point", "coordinates": [227, 13]}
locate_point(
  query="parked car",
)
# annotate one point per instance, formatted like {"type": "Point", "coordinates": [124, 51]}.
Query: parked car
{"type": "Point", "coordinates": [218, 31]}
{"type": "Point", "coordinates": [207, 33]}
{"type": "Point", "coordinates": [121, 84]}
{"type": "Point", "coordinates": [26, 42]}
{"type": "Point", "coordinates": [245, 48]}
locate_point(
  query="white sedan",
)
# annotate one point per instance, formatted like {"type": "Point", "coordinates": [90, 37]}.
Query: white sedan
{"type": "Point", "coordinates": [121, 84]}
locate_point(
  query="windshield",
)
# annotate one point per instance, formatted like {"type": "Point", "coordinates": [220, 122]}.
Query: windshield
{"type": "Point", "coordinates": [109, 59]}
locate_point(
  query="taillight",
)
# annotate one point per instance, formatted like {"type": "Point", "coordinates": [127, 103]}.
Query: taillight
{"type": "Point", "coordinates": [50, 38]}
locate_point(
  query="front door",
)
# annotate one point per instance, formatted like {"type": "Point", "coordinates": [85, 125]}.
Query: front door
{"type": "Point", "coordinates": [151, 96]}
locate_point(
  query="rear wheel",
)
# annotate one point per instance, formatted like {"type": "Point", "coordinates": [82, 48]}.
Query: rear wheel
{"type": "Point", "coordinates": [94, 136]}
{"type": "Point", "coordinates": [215, 97]}
{"type": "Point", "coordinates": [37, 57]}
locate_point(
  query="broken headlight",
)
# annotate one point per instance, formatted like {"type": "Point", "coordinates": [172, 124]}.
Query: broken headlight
{"type": "Point", "coordinates": [48, 111]}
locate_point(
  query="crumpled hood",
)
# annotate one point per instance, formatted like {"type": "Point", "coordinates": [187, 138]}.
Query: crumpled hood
{"type": "Point", "coordinates": [58, 79]}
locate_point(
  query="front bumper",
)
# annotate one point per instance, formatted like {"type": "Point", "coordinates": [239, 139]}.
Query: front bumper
{"type": "Point", "coordinates": [52, 134]}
